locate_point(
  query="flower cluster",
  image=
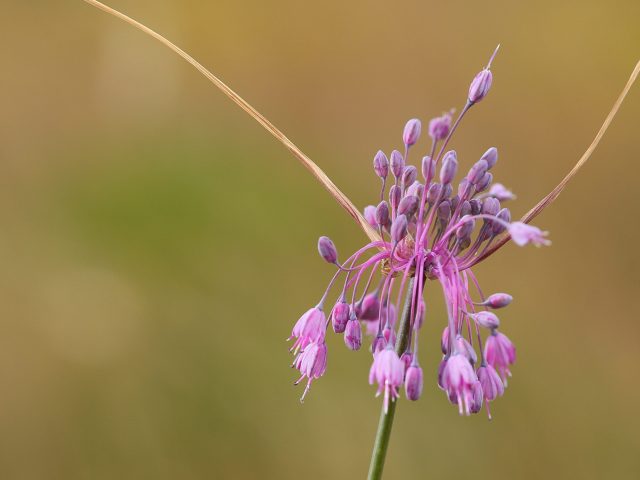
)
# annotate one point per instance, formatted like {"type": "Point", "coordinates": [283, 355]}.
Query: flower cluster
{"type": "Point", "coordinates": [429, 230]}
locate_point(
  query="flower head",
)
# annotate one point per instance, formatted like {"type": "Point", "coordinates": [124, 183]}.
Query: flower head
{"type": "Point", "coordinates": [431, 229]}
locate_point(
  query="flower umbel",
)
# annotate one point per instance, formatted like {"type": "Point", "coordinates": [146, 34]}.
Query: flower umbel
{"type": "Point", "coordinates": [429, 229]}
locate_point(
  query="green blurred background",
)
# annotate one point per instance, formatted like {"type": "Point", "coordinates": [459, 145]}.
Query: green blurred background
{"type": "Point", "coordinates": [157, 245]}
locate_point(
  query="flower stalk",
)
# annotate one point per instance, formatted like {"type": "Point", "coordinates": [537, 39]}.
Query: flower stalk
{"type": "Point", "coordinates": [383, 434]}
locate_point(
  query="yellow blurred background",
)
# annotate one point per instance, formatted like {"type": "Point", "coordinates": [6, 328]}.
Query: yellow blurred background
{"type": "Point", "coordinates": [157, 245]}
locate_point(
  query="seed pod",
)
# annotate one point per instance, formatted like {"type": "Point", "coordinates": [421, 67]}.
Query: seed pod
{"type": "Point", "coordinates": [381, 164]}
{"type": "Point", "coordinates": [399, 228]}
{"type": "Point", "coordinates": [408, 206]}
{"type": "Point", "coordinates": [327, 250]}
{"type": "Point", "coordinates": [411, 132]}
{"type": "Point", "coordinates": [397, 163]}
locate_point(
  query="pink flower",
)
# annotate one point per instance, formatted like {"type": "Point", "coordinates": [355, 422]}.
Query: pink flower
{"type": "Point", "coordinates": [492, 386]}
{"type": "Point", "coordinates": [522, 234]}
{"type": "Point", "coordinates": [501, 192]}
{"type": "Point", "coordinates": [413, 382]}
{"type": "Point", "coordinates": [500, 354]}
{"type": "Point", "coordinates": [309, 328]}
{"type": "Point", "coordinates": [312, 363]}
{"type": "Point", "coordinates": [458, 380]}
{"type": "Point", "coordinates": [387, 371]}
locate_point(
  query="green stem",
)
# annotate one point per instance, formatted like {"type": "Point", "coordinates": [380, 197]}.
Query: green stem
{"type": "Point", "coordinates": [386, 419]}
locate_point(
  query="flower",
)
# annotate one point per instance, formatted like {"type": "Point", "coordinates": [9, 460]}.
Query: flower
{"type": "Point", "coordinates": [312, 363]}
{"type": "Point", "coordinates": [431, 229]}
{"type": "Point", "coordinates": [522, 234]}
{"type": "Point", "coordinates": [387, 371]}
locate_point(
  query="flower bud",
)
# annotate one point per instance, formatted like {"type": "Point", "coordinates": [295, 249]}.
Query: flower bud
{"type": "Point", "coordinates": [490, 206]}
{"type": "Point", "coordinates": [370, 215]}
{"type": "Point", "coordinates": [499, 227]}
{"type": "Point", "coordinates": [397, 163]}
{"type": "Point", "coordinates": [484, 182]}
{"type": "Point", "coordinates": [411, 132]}
{"type": "Point", "coordinates": [415, 189]}
{"type": "Point", "coordinates": [340, 316]}
{"type": "Point", "coordinates": [449, 167]}
{"type": "Point", "coordinates": [408, 206]}
{"type": "Point", "coordinates": [369, 308]}
{"type": "Point", "coordinates": [381, 164]}
{"type": "Point", "coordinates": [465, 209]}
{"type": "Point", "coordinates": [433, 193]}
{"type": "Point", "coordinates": [409, 175]}
{"type": "Point", "coordinates": [466, 228]}
{"type": "Point", "coordinates": [399, 228]}
{"type": "Point", "coordinates": [428, 168]}
{"type": "Point", "coordinates": [477, 171]}
{"type": "Point", "coordinates": [500, 192]}
{"type": "Point", "coordinates": [480, 86]}
{"type": "Point", "coordinates": [413, 382]}
{"type": "Point", "coordinates": [327, 250]}
{"type": "Point", "coordinates": [447, 190]}
{"type": "Point", "coordinates": [444, 211]}
{"type": "Point", "coordinates": [476, 206]}
{"type": "Point", "coordinates": [382, 213]}
{"type": "Point", "coordinates": [490, 156]}
{"type": "Point", "coordinates": [486, 319]}
{"type": "Point", "coordinates": [439, 127]}
{"type": "Point", "coordinates": [353, 334]}
{"type": "Point", "coordinates": [454, 202]}
{"type": "Point", "coordinates": [498, 300]}
{"type": "Point", "coordinates": [465, 348]}
{"type": "Point", "coordinates": [395, 194]}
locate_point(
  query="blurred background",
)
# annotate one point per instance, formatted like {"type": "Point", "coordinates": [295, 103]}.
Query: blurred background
{"type": "Point", "coordinates": [157, 245]}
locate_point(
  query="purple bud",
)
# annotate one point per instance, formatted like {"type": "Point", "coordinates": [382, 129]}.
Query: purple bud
{"type": "Point", "coordinates": [447, 190]}
{"type": "Point", "coordinates": [439, 127]}
{"type": "Point", "coordinates": [484, 182]}
{"type": "Point", "coordinates": [369, 308]}
{"type": "Point", "coordinates": [327, 250]}
{"type": "Point", "coordinates": [465, 209]}
{"type": "Point", "coordinates": [407, 358]}
{"type": "Point", "coordinates": [433, 193]}
{"type": "Point", "coordinates": [408, 206]}
{"type": "Point", "coordinates": [477, 400]}
{"type": "Point", "coordinates": [501, 192]}
{"type": "Point", "coordinates": [444, 211]}
{"type": "Point", "coordinates": [409, 175]}
{"type": "Point", "coordinates": [428, 168]}
{"type": "Point", "coordinates": [416, 189]}
{"type": "Point", "coordinates": [465, 348]}
{"type": "Point", "coordinates": [449, 167]}
{"type": "Point", "coordinates": [466, 228]}
{"type": "Point", "coordinates": [413, 382]}
{"type": "Point", "coordinates": [397, 163]}
{"type": "Point", "coordinates": [340, 316]}
{"type": "Point", "coordinates": [498, 300]}
{"type": "Point", "coordinates": [454, 202]}
{"type": "Point", "coordinates": [353, 334]}
{"type": "Point", "coordinates": [477, 171]}
{"type": "Point", "coordinates": [399, 228]}
{"type": "Point", "coordinates": [490, 206]}
{"type": "Point", "coordinates": [490, 156]}
{"type": "Point", "coordinates": [480, 86]}
{"type": "Point", "coordinates": [505, 216]}
{"type": "Point", "coordinates": [395, 194]}
{"type": "Point", "coordinates": [382, 213]}
{"type": "Point", "coordinates": [486, 319]}
{"type": "Point", "coordinates": [381, 164]}
{"type": "Point", "coordinates": [370, 215]}
{"type": "Point", "coordinates": [411, 132]}
{"type": "Point", "coordinates": [476, 206]}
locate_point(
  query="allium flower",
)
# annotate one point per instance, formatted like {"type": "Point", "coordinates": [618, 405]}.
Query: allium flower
{"type": "Point", "coordinates": [387, 371]}
{"type": "Point", "coordinates": [428, 228]}
{"type": "Point", "coordinates": [311, 362]}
